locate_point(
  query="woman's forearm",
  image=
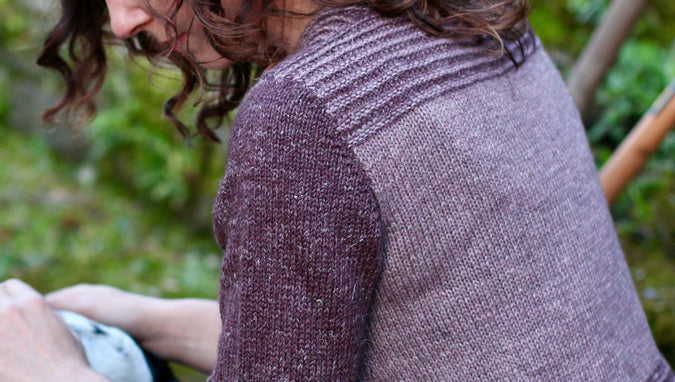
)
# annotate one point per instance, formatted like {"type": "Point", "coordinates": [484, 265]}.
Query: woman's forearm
{"type": "Point", "coordinates": [184, 330]}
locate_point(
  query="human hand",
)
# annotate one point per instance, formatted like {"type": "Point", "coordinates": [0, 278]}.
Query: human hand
{"type": "Point", "coordinates": [183, 330]}
{"type": "Point", "coordinates": [110, 306]}
{"type": "Point", "coordinates": [36, 344]}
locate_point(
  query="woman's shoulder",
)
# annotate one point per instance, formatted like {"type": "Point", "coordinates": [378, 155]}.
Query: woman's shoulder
{"type": "Point", "coordinates": [276, 109]}
{"type": "Point", "coordinates": [343, 47]}
{"type": "Point", "coordinates": [368, 69]}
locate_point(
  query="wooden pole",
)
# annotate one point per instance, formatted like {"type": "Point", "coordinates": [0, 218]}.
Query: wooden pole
{"type": "Point", "coordinates": [639, 145]}
{"type": "Point", "coordinates": [602, 50]}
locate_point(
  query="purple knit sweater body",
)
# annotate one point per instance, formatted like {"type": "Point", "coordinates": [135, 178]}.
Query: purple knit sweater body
{"type": "Point", "coordinates": [398, 207]}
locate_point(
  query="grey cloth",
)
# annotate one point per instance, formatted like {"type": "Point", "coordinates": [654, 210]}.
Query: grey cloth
{"type": "Point", "coordinates": [400, 207]}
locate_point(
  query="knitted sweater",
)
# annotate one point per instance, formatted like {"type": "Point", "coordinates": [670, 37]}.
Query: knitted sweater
{"type": "Point", "coordinates": [399, 207]}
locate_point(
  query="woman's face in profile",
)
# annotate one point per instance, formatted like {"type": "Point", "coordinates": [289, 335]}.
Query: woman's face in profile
{"type": "Point", "coordinates": [129, 17]}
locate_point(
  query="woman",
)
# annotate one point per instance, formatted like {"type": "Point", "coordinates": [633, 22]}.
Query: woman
{"type": "Point", "coordinates": [409, 195]}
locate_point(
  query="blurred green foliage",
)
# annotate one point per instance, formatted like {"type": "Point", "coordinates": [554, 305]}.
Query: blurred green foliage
{"type": "Point", "coordinates": [642, 70]}
{"type": "Point", "coordinates": [132, 209]}
{"type": "Point", "coordinates": [136, 151]}
{"type": "Point", "coordinates": [57, 228]}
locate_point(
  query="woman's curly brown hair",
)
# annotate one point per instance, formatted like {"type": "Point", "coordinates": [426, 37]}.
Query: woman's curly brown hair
{"type": "Point", "coordinates": [240, 37]}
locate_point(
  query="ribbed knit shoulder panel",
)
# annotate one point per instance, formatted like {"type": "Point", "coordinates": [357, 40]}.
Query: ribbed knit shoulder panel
{"type": "Point", "coordinates": [370, 69]}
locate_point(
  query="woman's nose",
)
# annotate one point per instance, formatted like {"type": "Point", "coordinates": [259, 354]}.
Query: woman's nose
{"type": "Point", "coordinates": [127, 18]}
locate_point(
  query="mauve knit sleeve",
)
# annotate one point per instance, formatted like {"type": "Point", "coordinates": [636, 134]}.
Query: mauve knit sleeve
{"type": "Point", "coordinates": [299, 227]}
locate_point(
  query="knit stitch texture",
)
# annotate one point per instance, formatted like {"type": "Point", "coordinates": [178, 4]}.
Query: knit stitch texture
{"type": "Point", "coordinates": [400, 207]}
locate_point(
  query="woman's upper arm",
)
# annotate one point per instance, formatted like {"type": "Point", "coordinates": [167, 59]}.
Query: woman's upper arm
{"type": "Point", "coordinates": [300, 230]}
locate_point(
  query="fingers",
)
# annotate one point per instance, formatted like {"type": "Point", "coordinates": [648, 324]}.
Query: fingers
{"type": "Point", "coordinates": [16, 289]}
{"type": "Point", "coordinates": [111, 306]}
{"type": "Point", "coordinates": [19, 299]}
{"type": "Point", "coordinates": [102, 303]}
{"type": "Point", "coordinates": [64, 298]}
{"type": "Point", "coordinates": [85, 299]}
{"type": "Point", "coordinates": [35, 342]}
{"type": "Point", "coordinates": [20, 302]}
{"type": "Point", "coordinates": [21, 308]}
